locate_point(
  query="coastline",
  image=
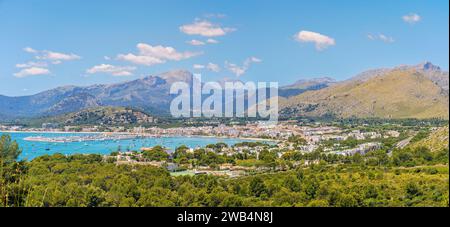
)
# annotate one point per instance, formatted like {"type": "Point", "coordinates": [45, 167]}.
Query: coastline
{"type": "Point", "coordinates": [54, 132]}
{"type": "Point", "coordinates": [129, 133]}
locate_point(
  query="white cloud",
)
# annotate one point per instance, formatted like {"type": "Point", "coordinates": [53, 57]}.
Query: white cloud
{"type": "Point", "coordinates": [139, 59]}
{"type": "Point", "coordinates": [152, 55]}
{"type": "Point", "coordinates": [205, 28]}
{"type": "Point", "coordinates": [111, 69]}
{"type": "Point", "coordinates": [165, 53]}
{"type": "Point", "coordinates": [198, 66]}
{"type": "Point", "coordinates": [386, 39]}
{"type": "Point", "coordinates": [210, 66]}
{"type": "Point", "coordinates": [56, 56]}
{"type": "Point", "coordinates": [212, 41]}
{"type": "Point", "coordinates": [241, 70]}
{"type": "Point", "coordinates": [237, 70]}
{"type": "Point", "coordinates": [195, 42]}
{"type": "Point", "coordinates": [31, 64]}
{"type": "Point", "coordinates": [45, 58]}
{"type": "Point", "coordinates": [321, 41]}
{"type": "Point", "coordinates": [411, 18]}
{"type": "Point", "coordinates": [106, 58]}
{"type": "Point", "coordinates": [30, 50]}
{"type": "Point", "coordinates": [252, 60]}
{"type": "Point", "coordinates": [33, 71]}
{"type": "Point", "coordinates": [213, 67]}
{"type": "Point", "coordinates": [381, 37]}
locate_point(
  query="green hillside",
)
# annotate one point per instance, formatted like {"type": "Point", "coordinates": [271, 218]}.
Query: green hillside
{"type": "Point", "coordinates": [98, 116]}
{"type": "Point", "coordinates": [436, 141]}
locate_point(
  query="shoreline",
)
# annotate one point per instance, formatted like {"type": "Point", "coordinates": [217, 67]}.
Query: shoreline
{"type": "Point", "coordinates": [54, 132]}
{"type": "Point", "coordinates": [128, 133]}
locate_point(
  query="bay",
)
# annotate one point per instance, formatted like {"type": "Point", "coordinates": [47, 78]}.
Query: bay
{"type": "Point", "coordinates": [33, 149]}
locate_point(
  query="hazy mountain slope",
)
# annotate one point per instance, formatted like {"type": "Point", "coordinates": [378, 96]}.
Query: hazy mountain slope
{"type": "Point", "coordinates": [150, 93]}
{"type": "Point", "coordinates": [302, 86]}
{"type": "Point", "coordinates": [397, 93]}
{"type": "Point", "coordinates": [419, 91]}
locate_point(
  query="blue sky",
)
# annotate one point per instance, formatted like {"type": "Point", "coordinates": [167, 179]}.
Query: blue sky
{"type": "Point", "coordinates": [49, 43]}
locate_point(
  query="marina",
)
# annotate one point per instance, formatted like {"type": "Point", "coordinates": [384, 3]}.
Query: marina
{"type": "Point", "coordinates": [84, 138]}
{"type": "Point", "coordinates": [38, 144]}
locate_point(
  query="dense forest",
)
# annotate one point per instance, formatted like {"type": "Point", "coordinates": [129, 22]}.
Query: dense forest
{"type": "Point", "coordinates": [408, 177]}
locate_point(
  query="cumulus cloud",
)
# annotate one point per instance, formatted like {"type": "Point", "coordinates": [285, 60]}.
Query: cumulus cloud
{"type": "Point", "coordinates": [241, 70]}
{"type": "Point", "coordinates": [140, 59]}
{"type": "Point", "coordinates": [32, 64]}
{"type": "Point", "coordinates": [112, 69]}
{"type": "Point", "coordinates": [52, 56]}
{"type": "Point", "coordinates": [412, 18]}
{"type": "Point", "coordinates": [44, 57]}
{"type": "Point", "coordinates": [57, 57]}
{"type": "Point", "coordinates": [321, 41]}
{"type": "Point", "coordinates": [152, 55]}
{"type": "Point", "coordinates": [381, 37]}
{"type": "Point", "coordinates": [212, 41]}
{"type": "Point", "coordinates": [205, 28]}
{"type": "Point", "coordinates": [33, 71]}
{"type": "Point", "coordinates": [195, 42]}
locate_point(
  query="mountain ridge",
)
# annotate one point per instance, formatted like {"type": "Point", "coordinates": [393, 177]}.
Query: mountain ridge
{"type": "Point", "coordinates": [418, 91]}
{"type": "Point", "coordinates": [150, 93]}
{"type": "Point", "coordinates": [308, 97]}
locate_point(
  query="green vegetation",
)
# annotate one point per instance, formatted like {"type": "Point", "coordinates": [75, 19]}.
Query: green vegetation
{"type": "Point", "coordinates": [102, 117]}
{"type": "Point", "coordinates": [157, 153]}
{"type": "Point", "coordinates": [410, 177]}
{"type": "Point", "coordinates": [435, 140]}
{"type": "Point", "coordinates": [10, 170]}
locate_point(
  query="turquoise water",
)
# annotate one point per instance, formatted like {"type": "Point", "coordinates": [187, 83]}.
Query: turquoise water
{"type": "Point", "coordinates": [32, 149]}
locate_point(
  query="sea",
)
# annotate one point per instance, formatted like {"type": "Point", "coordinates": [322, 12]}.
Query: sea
{"type": "Point", "coordinates": [33, 149]}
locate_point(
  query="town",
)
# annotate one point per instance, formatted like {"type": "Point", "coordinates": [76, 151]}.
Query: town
{"type": "Point", "coordinates": [276, 142]}
{"type": "Point", "coordinates": [246, 158]}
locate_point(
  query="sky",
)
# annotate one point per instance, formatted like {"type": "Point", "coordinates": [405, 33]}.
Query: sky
{"type": "Point", "coordinates": [48, 43]}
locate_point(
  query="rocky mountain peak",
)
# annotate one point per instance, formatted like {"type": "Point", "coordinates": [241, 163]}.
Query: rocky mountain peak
{"type": "Point", "coordinates": [429, 66]}
{"type": "Point", "coordinates": [176, 76]}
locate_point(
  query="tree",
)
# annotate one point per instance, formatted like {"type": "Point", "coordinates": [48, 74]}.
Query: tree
{"type": "Point", "coordinates": [9, 169]}
{"type": "Point", "coordinates": [9, 150]}
{"type": "Point", "coordinates": [347, 200]}
{"type": "Point", "coordinates": [156, 154]}
{"type": "Point", "coordinates": [257, 186]}
{"type": "Point", "coordinates": [181, 151]}
{"type": "Point", "coordinates": [413, 190]}
{"type": "Point", "coordinates": [292, 183]}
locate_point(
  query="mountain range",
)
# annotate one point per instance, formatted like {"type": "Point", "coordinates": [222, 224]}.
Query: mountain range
{"type": "Point", "coordinates": [419, 91]}
{"type": "Point", "coordinates": [150, 94]}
